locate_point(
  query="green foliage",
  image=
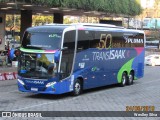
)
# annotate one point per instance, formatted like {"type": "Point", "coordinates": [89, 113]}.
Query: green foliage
{"type": "Point", "coordinates": [49, 3]}
{"type": "Point", "coordinates": [126, 7]}
{"type": "Point", "coordinates": [40, 20]}
{"type": "Point", "coordinates": [1, 1]}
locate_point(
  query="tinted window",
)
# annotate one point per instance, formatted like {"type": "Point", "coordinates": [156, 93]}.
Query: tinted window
{"type": "Point", "coordinates": [42, 40]}
{"type": "Point", "coordinates": [133, 39]}
{"type": "Point", "coordinates": [84, 37]}
{"type": "Point", "coordinates": [156, 57]}
{"type": "Point", "coordinates": [103, 39]}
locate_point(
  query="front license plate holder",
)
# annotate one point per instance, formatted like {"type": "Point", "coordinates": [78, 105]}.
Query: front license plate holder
{"type": "Point", "coordinates": [34, 89]}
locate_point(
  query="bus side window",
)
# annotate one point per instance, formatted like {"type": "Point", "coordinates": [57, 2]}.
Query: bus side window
{"type": "Point", "coordinates": [101, 40]}
{"type": "Point", "coordinates": [83, 40]}
{"type": "Point", "coordinates": [94, 42]}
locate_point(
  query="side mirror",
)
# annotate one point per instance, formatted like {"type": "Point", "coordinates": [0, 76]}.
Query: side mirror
{"type": "Point", "coordinates": [14, 53]}
{"type": "Point", "coordinates": [57, 56]}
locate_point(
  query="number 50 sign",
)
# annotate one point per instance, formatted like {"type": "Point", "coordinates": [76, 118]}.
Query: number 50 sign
{"type": "Point", "coordinates": [105, 41]}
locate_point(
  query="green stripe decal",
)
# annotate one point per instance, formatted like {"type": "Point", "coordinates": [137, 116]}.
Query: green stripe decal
{"type": "Point", "coordinates": [31, 50]}
{"type": "Point", "coordinates": [126, 67]}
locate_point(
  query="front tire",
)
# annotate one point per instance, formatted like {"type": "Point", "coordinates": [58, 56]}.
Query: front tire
{"type": "Point", "coordinates": [77, 88]}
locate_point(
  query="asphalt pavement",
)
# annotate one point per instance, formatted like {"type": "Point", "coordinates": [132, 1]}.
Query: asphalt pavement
{"type": "Point", "coordinates": [144, 92]}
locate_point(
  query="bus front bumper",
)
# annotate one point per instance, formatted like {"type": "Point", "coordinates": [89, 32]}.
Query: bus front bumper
{"type": "Point", "coordinates": [59, 88]}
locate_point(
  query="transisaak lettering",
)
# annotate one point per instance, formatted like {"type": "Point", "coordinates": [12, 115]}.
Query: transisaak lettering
{"type": "Point", "coordinates": [109, 55]}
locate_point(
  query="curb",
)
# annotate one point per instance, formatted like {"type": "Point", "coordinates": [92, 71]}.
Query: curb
{"type": "Point", "coordinates": [8, 76]}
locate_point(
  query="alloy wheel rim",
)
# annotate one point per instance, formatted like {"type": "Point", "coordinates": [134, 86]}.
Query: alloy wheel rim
{"type": "Point", "coordinates": [130, 78]}
{"type": "Point", "coordinates": [124, 80]}
{"type": "Point", "coordinates": [77, 88]}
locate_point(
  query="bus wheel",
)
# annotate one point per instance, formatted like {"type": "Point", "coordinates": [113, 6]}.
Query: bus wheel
{"type": "Point", "coordinates": [124, 80]}
{"type": "Point", "coordinates": [77, 88]}
{"type": "Point", "coordinates": [130, 79]}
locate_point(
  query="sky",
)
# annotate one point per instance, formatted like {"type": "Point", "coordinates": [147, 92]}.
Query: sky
{"type": "Point", "coordinates": [147, 3]}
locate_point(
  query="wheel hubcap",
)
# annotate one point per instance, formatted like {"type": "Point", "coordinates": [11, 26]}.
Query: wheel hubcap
{"type": "Point", "coordinates": [130, 78]}
{"type": "Point", "coordinates": [77, 88]}
{"type": "Point", "coordinates": [124, 80]}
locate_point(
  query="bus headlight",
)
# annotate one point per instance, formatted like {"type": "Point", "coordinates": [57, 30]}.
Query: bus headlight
{"type": "Point", "coordinates": [20, 81]}
{"type": "Point", "coordinates": [50, 84]}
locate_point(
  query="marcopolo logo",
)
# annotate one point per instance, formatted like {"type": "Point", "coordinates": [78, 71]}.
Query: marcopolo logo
{"type": "Point", "coordinates": [35, 82]}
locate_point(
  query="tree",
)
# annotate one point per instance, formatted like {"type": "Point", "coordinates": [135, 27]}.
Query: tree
{"type": "Point", "coordinates": [41, 20]}
{"type": "Point", "coordinates": [123, 7]}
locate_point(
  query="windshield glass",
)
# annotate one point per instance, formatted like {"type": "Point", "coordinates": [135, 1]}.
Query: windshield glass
{"type": "Point", "coordinates": [42, 40]}
{"type": "Point", "coordinates": [37, 65]}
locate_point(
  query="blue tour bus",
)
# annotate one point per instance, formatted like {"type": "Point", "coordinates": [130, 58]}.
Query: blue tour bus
{"type": "Point", "coordinates": [59, 58]}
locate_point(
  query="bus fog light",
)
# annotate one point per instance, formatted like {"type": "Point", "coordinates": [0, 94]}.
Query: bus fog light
{"type": "Point", "coordinates": [50, 84]}
{"type": "Point", "coordinates": [20, 81]}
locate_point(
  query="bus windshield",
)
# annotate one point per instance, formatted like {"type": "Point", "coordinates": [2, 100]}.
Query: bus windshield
{"type": "Point", "coordinates": [42, 40]}
{"type": "Point", "coordinates": [37, 65]}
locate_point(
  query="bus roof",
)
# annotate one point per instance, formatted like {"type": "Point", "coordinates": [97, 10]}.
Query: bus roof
{"type": "Point", "coordinates": [48, 28]}
{"type": "Point", "coordinates": [61, 27]}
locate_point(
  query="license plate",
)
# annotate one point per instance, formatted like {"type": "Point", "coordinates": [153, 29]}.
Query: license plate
{"type": "Point", "coordinates": [34, 89]}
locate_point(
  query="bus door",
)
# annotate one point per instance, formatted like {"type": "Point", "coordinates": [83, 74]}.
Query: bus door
{"type": "Point", "coordinates": [67, 54]}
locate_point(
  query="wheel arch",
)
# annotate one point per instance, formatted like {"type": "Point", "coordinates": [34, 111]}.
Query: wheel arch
{"type": "Point", "coordinates": [127, 67]}
{"type": "Point", "coordinates": [119, 77]}
{"type": "Point", "coordinates": [81, 79]}
{"type": "Point", "coordinates": [77, 86]}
